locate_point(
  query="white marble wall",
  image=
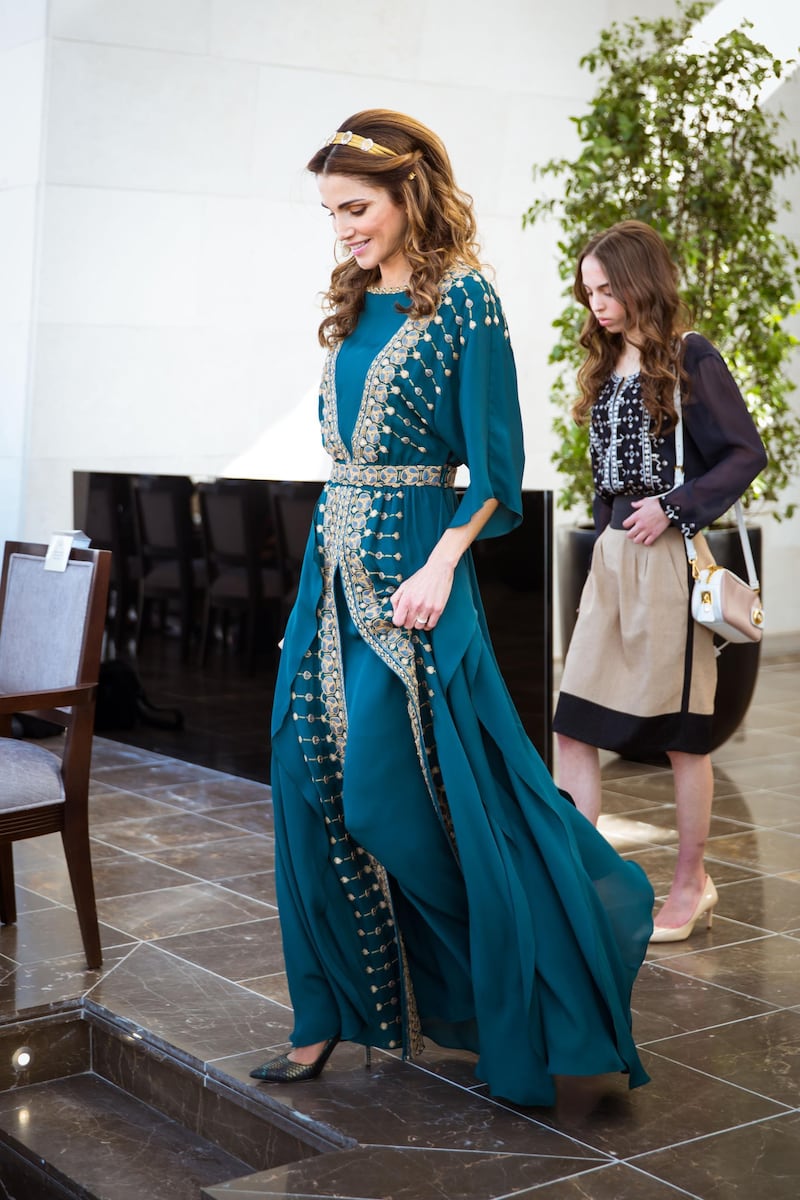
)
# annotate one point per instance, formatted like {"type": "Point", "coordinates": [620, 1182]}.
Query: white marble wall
{"type": "Point", "coordinates": [22, 85]}
{"type": "Point", "coordinates": [174, 251]}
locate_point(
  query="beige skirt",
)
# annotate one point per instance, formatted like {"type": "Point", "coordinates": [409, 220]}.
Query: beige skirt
{"type": "Point", "coordinates": [639, 675]}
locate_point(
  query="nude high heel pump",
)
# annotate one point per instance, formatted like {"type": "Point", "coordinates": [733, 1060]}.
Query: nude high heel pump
{"type": "Point", "coordinates": [706, 904]}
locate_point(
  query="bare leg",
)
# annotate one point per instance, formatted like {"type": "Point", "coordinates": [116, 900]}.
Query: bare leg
{"type": "Point", "coordinates": [694, 791]}
{"type": "Point", "coordinates": [579, 774]}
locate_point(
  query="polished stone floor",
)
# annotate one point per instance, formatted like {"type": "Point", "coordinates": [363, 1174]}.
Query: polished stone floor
{"type": "Point", "coordinates": [183, 861]}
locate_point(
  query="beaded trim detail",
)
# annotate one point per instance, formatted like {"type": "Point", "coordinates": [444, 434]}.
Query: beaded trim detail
{"type": "Point", "coordinates": [388, 291]}
{"type": "Point", "coordinates": [368, 475]}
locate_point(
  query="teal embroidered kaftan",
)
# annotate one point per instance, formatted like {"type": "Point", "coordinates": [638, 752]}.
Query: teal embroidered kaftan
{"type": "Point", "coordinates": [431, 878]}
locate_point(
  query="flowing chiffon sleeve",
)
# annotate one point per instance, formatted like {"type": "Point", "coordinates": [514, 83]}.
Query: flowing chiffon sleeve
{"type": "Point", "coordinates": [478, 416]}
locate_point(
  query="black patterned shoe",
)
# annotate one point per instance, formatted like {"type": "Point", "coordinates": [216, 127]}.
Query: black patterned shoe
{"type": "Point", "coordinates": [283, 1070]}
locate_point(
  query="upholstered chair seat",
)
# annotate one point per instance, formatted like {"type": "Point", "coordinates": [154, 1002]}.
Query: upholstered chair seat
{"type": "Point", "coordinates": [29, 776]}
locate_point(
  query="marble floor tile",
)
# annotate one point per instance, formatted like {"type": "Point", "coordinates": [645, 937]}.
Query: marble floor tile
{"type": "Point", "coordinates": [612, 767]}
{"type": "Point", "coordinates": [51, 933]}
{"type": "Point", "coordinates": [614, 802]}
{"type": "Point", "coordinates": [182, 909]}
{"type": "Point", "coordinates": [760, 1159]}
{"type": "Point", "coordinates": [659, 866]}
{"type": "Point", "coordinates": [764, 715]}
{"type": "Point", "coordinates": [678, 1104]}
{"type": "Point", "coordinates": [665, 1003]}
{"type": "Point", "coordinates": [256, 818]}
{"type": "Point", "coordinates": [757, 774]}
{"type": "Point", "coordinates": [38, 986]}
{"type": "Point", "coordinates": [766, 968]}
{"type": "Point", "coordinates": [722, 933]}
{"type": "Point", "coordinates": [457, 1066]}
{"type": "Point", "coordinates": [260, 886]}
{"type": "Point", "coordinates": [760, 1053]}
{"type": "Point", "coordinates": [769, 902]}
{"type": "Point", "coordinates": [757, 808]}
{"type": "Point", "coordinates": [629, 831]}
{"type": "Point", "coordinates": [274, 987]}
{"type": "Point", "coordinates": [194, 1012]}
{"type": "Point", "coordinates": [632, 832]}
{"type": "Point", "coordinates": [231, 951]}
{"type": "Point", "coordinates": [239, 854]}
{"type": "Point", "coordinates": [658, 786]}
{"type": "Point", "coordinates": [388, 1173]}
{"type": "Point", "coordinates": [154, 772]}
{"type": "Point", "coordinates": [616, 1182]}
{"type": "Point", "coordinates": [106, 808]}
{"type": "Point", "coordinates": [30, 900]}
{"type": "Point", "coordinates": [160, 833]}
{"type": "Point", "coordinates": [767, 850]}
{"type": "Point", "coordinates": [395, 1104]}
{"type": "Point", "coordinates": [203, 794]}
{"type": "Point", "coordinates": [119, 875]}
{"type": "Point", "coordinates": [108, 753]}
{"type": "Point", "coordinates": [755, 743]}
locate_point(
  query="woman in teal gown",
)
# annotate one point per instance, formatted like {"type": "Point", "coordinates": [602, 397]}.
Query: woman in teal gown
{"type": "Point", "coordinates": [432, 880]}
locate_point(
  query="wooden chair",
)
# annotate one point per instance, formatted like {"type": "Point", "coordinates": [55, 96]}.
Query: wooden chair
{"type": "Point", "coordinates": [242, 560]}
{"type": "Point", "coordinates": [171, 565]}
{"type": "Point", "coordinates": [51, 634]}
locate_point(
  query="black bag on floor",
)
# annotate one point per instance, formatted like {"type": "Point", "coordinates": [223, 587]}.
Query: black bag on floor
{"type": "Point", "coordinates": [122, 702]}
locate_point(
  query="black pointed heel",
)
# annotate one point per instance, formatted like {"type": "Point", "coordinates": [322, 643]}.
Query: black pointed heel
{"type": "Point", "coordinates": [283, 1070]}
{"type": "Point", "coordinates": [367, 1057]}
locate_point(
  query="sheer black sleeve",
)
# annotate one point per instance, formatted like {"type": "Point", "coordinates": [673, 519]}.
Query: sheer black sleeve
{"type": "Point", "coordinates": [723, 451]}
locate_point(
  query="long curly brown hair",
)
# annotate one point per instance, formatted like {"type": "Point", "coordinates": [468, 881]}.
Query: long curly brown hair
{"type": "Point", "coordinates": [644, 279]}
{"type": "Point", "coordinates": [441, 231]}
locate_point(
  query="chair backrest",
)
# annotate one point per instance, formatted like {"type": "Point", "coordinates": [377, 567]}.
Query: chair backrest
{"type": "Point", "coordinates": [108, 514]}
{"type": "Point", "coordinates": [163, 505]}
{"type": "Point", "coordinates": [237, 527]}
{"type": "Point", "coordinates": [293, 506]}
{"type": "Point", "coordinates": [51, 622]}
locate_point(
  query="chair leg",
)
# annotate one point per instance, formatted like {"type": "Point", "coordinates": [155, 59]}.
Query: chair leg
{"type": "Point", "coordinates": [8, 899]}
{"type": "Point", "coordinates": [79, 865]}
{"type": "Point", "coordinates": [139, 627]}
{"type": "Point", "coordinates": [251, 632]}
{"type": "Point", "coordinates": [205, 632]}
{"type": "Point", "coordinates": [187, 619]}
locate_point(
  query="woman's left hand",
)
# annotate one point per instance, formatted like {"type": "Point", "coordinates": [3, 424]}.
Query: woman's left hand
{"type": "Point", "coordinates": [647, 523]}
{"type": "Point", "coordinates": [420, 600]}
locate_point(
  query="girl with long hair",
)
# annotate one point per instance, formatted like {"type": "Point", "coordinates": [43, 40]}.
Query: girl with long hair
{"type": "Point", "coordinates": [640, 674]}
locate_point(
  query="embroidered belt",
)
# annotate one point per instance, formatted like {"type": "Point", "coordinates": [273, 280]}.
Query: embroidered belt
{"type": "Point", "coordinates": [365, 475]}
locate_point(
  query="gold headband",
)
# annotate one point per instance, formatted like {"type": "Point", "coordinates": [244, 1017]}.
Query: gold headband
{"type": "Point", "coordinates": [347, 138]}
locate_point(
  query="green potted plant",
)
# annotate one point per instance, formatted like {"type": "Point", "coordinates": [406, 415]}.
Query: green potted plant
{"type": "Point", "coordinates": [675, 136]}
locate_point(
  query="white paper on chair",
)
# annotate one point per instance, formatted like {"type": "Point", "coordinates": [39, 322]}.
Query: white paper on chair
{"type": "Point", "coordinates": [60, 546]}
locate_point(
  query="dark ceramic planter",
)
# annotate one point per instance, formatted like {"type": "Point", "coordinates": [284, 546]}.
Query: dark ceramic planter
{"type": "Point", "coordinates": [737, 665]}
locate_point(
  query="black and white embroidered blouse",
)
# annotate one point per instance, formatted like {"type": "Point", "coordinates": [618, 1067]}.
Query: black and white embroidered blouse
{"type": "Point", "coordinates": [722, 449]}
